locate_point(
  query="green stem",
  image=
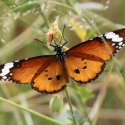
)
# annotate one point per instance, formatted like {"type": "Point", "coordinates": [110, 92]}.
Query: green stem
{"type": "Point", "coordinates": [83, 104]}
{"type": "Point", "coordinates": [43, 117]}
{"type": "Point", "coordinates": [70, 105]}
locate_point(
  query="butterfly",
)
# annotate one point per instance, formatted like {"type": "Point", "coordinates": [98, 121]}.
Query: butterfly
{"type": "Point", "coordinates": [50, 73]}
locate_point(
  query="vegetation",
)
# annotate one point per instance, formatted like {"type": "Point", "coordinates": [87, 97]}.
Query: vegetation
{"type": "Point", "coordinates": [100, 102]}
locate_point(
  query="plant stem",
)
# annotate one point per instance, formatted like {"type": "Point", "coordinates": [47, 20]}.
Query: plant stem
{"type": "Point", "coordinates": [43, 117]}
{"type": "Point", "coordinates": [102, 94]}
{"type": "Point", "coordinates": [70, 105]}
{"type": "Point", "coordinates": [83, 104]}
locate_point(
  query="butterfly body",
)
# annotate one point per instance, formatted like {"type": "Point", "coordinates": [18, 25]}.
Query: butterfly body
{"type": "Point", "coordinates": [60, 54]}
{"type": "Point", "coordinates": [61, 57]}
{"type": "Point", "coordinates": [49, 74]}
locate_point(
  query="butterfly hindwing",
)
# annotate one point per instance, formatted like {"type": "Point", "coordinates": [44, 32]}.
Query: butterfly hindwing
{"type": "Point", "coordinates": [51, 80]}
{"type": "Point", "coordinates": [84, 68]}
{"type": "Point", "coordinates": [96, 46]}
{"type": "Point", "coordinates": [45, 73]}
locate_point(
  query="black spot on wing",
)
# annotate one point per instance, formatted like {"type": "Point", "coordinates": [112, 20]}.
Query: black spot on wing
{"type": "Point", "coordinates": [77, 71]}
{"type": "Point", "coordinates": [58, 77]}
{"type": "Point", "coordinates": [46, 70]}
{"type": "Point", "coordinates": [49, 78]}
{"type": "Point", "coordinates": [90, 80]}
{"type": "Point", "coordinates": [84, 67]}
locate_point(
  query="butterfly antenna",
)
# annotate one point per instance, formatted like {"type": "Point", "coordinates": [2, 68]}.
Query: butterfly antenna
{"type": "Point", "coordinates": [64, 43]}
{"type": "Point", "coordinates": [52, 45]}
{"type": "Point", "coordinates": [63, 30]}
{"type": "Point", "coordinates": [60, 41]}
{"type": "Point", "coordinates": [43, 42]}
{"type": "Point", "coordinates": [39, 41]}
{"type": "Point", "coordinates": [63, 35]}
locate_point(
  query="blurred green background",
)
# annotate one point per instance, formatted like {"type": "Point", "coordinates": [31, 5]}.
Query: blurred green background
{"type": "Point", "coordinates": [22, 20]}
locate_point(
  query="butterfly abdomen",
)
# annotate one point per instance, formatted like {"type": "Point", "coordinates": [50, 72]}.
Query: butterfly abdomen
{"type": "Point", "coordinates": [66, 74]}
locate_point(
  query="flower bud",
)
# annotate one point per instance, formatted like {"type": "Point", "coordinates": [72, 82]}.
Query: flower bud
{"type": "Point", "coordinates": [56, 103]}
{"type": "Point", "coordinates": [54, 33]}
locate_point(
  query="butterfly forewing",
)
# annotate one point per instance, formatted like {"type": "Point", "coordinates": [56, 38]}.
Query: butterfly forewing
{"type": "Point", "coordinates": [84, 68]}
{"type": "Point", "coordinates": [96, 46]}
{"type": "Point", "coordinates": [22, 71]}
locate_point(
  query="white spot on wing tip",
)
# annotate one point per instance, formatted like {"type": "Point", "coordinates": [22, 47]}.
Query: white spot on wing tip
{"type": "Point", "coordinates": [108, 34]}
{"type": "Point", "coordinates": [119, 39]}
{"type": "Point", "coordinates": [17, 61]}
{"type": "Point", "coordinates": [120, 43]}
{"type": "Point", "coordinates": [4, 73]}
{"type": "Point", "coordinates": [6, 68]}
{"type": "Point", "coordinates": [4, 77]}
{"type": "Point", "coordinates": [114, 37]}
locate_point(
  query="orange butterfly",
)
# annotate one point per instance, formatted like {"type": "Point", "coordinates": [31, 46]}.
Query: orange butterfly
{"type": "Point", "coordinates": [49, 74]}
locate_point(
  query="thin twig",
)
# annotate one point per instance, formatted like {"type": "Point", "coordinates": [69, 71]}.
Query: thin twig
{"type": "Point", "coordinates": [70, 105]}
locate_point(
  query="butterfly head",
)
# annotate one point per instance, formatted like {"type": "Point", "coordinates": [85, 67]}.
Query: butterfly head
{"type": "Point", "coordinates": [58, 48]}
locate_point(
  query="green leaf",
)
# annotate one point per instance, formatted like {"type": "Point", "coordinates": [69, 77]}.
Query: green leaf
{"type": "Point", "coordinates": [83, 92]}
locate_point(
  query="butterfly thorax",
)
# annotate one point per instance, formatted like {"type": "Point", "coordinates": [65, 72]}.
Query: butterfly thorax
{"type": "Point", "coordinates": [60, 54]}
